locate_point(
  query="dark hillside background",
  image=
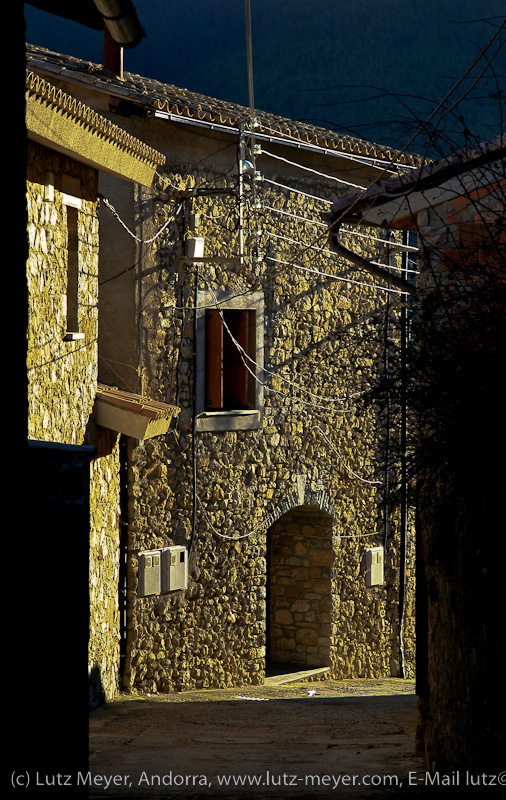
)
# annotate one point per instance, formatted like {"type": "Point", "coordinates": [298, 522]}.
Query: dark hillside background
{"type": "Point", "coordinates": [374, 70]}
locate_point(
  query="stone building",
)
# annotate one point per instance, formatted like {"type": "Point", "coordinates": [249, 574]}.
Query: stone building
{"type": "Point", "coordinates": [264, 527]}
{"type": "Point", "coordinates": [74, 463]}
{"type": "Point", "coordinates": [456, 208]}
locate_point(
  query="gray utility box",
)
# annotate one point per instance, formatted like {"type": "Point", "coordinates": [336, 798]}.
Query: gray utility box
{"type": "Point", "coordinates": [174, 568]}
{"type": "Point", "coordinates": [150, 573]}
{"type": "Point", "coordinates": [374, 566]}
{"type": "Point", "coordinates": [162, 571]}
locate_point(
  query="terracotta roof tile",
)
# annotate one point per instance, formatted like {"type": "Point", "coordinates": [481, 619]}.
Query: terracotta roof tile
{"type": "Point", "coordinates": [132, 414]}
{"type": "Point", "coordinates": [159, 96]}
{"type": "Point", "coordinates": [136, 403]}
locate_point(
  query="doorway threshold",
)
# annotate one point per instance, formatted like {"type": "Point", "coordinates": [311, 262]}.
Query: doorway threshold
{"type": "Point", "coordinates": [277, 674]}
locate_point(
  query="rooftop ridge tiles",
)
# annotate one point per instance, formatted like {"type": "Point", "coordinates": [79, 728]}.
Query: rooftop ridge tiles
{"type": "Point", "coordinates": [189, 104]}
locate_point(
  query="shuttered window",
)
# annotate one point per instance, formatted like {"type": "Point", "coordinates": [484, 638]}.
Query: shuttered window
{"type": "Point", "coordinates": [229, 391]}
{"type": "Point", "coordinates": [72, 302]}
{"type": "Point", "coordinates": [229, 374]}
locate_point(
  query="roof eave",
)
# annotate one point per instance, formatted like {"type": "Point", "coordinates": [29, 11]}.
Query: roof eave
{"type": "Point", "coordinates": [396, 203]}
{"type": "Point", "coordinates": [57, 121]}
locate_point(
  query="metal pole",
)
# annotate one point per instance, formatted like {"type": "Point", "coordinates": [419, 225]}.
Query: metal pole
{"type": "Point", "coordinates": [404, 488]}
{"type": "Point", "coordinates": [249, 50]}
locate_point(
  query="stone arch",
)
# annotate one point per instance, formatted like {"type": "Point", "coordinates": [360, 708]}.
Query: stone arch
{"type": "Point", "coordinates": [299, 598]}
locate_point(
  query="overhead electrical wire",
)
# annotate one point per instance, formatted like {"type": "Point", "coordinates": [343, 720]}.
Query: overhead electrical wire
{"type": "Point", "coordinates": [115, 214]}
{"type": "Point", "coordinates": [308, 246]}
{"type": "Point", "coordinates": [324, 251]}
{"type": "Point", "coordinates": [372, 268]}
{"type": "Point", "coordinates": [313, 171]}
{"type": "Point", "coordinates": [138, 239]}
{"type": "Point", "coordinates": [336, 451]}
{"type": "Point", "coordinates": [261, 526]}
{"type": "Point", "coordinates": [244, 354]}
{"type": "Point", "coordinates": [246, 357]}
{"type": "Point", "coordinates": [314, 247]}
{"type": "Point", "coordinates": [288, 263]}
{"type": "Point", "coordinates": [296, 386]}
{"type": "Point", "coordinates": [267, 519]}
{"type": "Point", "coordinates": [298, 191]}
{"type": "Point", "coordinates": [330, 276]}
{"type": "Point", "coordinates": [349, 231]}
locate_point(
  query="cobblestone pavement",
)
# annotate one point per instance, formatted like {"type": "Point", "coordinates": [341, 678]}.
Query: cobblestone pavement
{"type": "Point", "coordinates": [343, 739]}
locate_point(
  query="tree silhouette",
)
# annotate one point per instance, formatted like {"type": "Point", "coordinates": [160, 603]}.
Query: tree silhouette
{"type": "Point", "coordinates": [450, 359]}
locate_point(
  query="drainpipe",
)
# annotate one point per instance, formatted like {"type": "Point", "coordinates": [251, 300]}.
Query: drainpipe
{"type": "Point", "coordinates": [194, 248]}
{"type": "Point", "coordinates": [121, 29]}
{"type": "Point", "coordinates": [121, 22]}
{"type": "Point", "coordinates": [373, 269]}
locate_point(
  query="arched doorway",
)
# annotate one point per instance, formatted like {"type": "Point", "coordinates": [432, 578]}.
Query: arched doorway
{"type": "Point", "coordinates": [299, 601]}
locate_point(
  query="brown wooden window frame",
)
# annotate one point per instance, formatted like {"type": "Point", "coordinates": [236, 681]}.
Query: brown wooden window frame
{"type": "Point", "coordinates": [229, 361]}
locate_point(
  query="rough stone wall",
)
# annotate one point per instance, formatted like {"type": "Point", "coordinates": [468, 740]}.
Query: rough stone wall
{"type": "Point", "coordinates": [61, 374]}
{"type": "Point", "coordinates": [461, 721]}
{"type": "Point", "coordinates": [104, 568]}
{"type": "Point", "coordinates": [409, 612]}
{"type": "Point", "coordinates": [299, 586]}
{"type": "Point", "coordinates": [220, 493]}
{"type": "Point", "coordinates": [62, 379]}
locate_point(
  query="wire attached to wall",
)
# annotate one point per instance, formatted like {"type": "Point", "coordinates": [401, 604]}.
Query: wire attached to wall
{"type": "Point", "coordinates": [139, 239]}
{"type": "Point", "coordinates": [336, 451]}
{"type": "Point", "coordinates": [245, 357]}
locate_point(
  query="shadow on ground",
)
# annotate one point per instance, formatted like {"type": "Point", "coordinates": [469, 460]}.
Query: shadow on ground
{"type": "Point", "coordinates": [352, 739]}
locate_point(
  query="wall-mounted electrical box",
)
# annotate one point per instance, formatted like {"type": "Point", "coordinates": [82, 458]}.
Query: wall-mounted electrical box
{"type": "Point", "coordinates": [374, 566]}
{"type": "Point", "coordinates": [174, 568]}
{"type": "Point", "coordinates": [150, 573]}
{"type": "Point", "coordinates": [162, 571]}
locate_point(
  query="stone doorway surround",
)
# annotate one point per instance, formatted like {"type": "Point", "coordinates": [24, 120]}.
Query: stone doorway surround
{"type": "Point", "coordinates": [299, 562]}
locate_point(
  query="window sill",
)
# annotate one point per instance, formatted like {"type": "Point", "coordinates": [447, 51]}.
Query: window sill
{"type": "Point", "coordinates": [72, 337]}
{"type": "Point", "coordinates": [239, 420]}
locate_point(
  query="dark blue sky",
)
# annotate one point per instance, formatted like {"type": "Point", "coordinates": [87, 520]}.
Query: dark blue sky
{"type": "Point", "coordinates": [373, 70]}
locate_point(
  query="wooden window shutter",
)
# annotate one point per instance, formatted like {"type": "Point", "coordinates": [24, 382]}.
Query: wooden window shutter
{"type": "Point", "coordinates": [214, 359]}
{"type": "Point", "coordinates": [72, 270]}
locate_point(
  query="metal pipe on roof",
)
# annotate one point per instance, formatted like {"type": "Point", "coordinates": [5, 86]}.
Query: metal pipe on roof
{"type": "Point", "coordinates": [118, 16]}
{"type": "Point", "coordinates": [121, 21]}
